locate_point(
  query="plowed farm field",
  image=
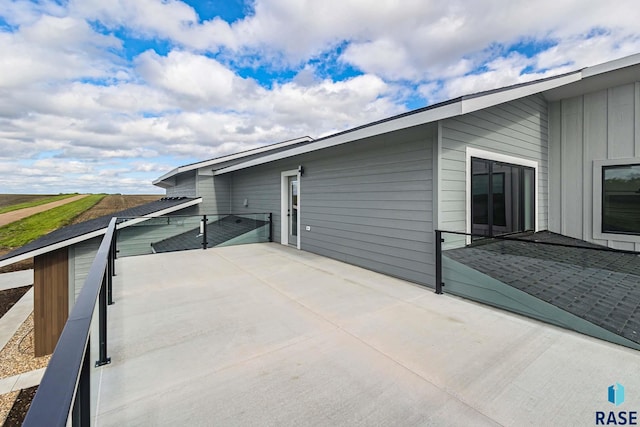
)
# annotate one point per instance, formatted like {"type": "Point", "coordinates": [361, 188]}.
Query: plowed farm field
{"type": "Point", "coordinates": [109, 204]}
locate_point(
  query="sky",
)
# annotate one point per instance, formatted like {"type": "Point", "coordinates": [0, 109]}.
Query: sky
{"type": "Point", "coordinates": [105, 96]}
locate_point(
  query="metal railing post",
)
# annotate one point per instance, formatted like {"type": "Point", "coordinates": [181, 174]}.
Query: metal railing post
{"type": "Point", "coordinates": [102, 325]}
{"type": "Point", "coordinates": [204, 232]}
{"type": "Point", "coordinates": [110, 273]}
{"type": "Point", "coordinates": [114, 248]}
{"type": "Point", "coordinates": [439, 241]}
{"type": "Point", "coordinates": [271, 226]}
{"type": "Point", "coordinates": [81, 415]}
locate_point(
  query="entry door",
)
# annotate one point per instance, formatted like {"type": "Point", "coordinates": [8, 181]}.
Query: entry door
{"type": "Point", "coordinates": [293, 211]}
{"type": "Point", "coordinates": [503, 197]}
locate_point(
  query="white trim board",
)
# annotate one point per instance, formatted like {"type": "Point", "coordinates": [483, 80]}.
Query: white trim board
{"type": "Point", "coordinates": [284, 205]}
{"type": "Point", "coordinates": [228, 158]}
{"type": "Point", "coordinates": [597, 201]}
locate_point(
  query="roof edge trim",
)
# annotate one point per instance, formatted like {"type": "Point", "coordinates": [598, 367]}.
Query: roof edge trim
{"type": "Point", "coordinates": [233, 156]}
{"type": "Point", "coordinates": [401, 122]}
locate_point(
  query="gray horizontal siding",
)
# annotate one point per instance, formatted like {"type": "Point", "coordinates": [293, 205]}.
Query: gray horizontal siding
{"type": "Point", "coordinates": [185, 185]}
{"type": "Point", "coordinates": [368, 203]}
{"type": "Point", "coordinates": [260, 186]}
{"type": "Point", "coordinates": [215, 193]}
{"type": "Point", "coordinates": [518, 128]}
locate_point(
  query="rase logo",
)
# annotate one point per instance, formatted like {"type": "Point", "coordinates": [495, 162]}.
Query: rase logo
{"type": "Point", "coordinates": [615, 395]}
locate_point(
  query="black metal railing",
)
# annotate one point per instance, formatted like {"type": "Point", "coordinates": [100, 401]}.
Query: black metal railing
{"type": "Point", "coordinates": [65, 389]}
{"type": "Point", "coordinates": [64, 393]}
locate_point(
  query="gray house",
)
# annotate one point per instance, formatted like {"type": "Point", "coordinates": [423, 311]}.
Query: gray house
{"type": "Point", "coordinates": [560, 155]}
{"type": "Point", "coordinates": [63, 257]}
{"type": "Point", "coordinates": [373, 195]}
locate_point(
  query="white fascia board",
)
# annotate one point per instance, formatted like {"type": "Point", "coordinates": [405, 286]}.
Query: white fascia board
{"type": "Point", "coordinates": [616, 64]}
{"type": "Point", "coordinates": [53, 247]}
{"type": "Point", "coordinates": [403, 122]}
{"type": "Point", "coordinates": [93, 234]}
{"type": "Point", "coordinates": [159, 213]}
{"type": "Point", "coordinates": [489, 100]}
{"type": "Point", "coordinates": [230, 157]}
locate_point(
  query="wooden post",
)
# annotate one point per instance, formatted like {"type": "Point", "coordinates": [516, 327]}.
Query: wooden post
{"type": "Point", "coordinates": [50, 299]}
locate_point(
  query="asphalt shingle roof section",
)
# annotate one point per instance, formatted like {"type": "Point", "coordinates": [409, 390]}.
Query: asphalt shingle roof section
{"type": "Point", "coordinates": [602, 287]}
{"type": "Point", "coordinates": [218, 232]}
{"type": "Point", "coordinates": [96, 224]}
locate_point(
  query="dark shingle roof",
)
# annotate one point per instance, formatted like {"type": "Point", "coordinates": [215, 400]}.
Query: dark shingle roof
{"type": "Point", "coordinates": [600, 286]}
{"type": "Point", "coordinates": [76, 230]}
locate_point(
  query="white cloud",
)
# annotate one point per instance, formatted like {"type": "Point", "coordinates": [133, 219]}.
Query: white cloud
{"type": "Point", "coordinates": [69, 93]}
{"type": "Point", "coordinates": [53, 49]}
{"type": "Point", "coordinates": [197, 78]}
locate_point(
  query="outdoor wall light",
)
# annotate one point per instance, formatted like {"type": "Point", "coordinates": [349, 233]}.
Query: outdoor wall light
{"type": "Point", "coordinates": [246, 203]}
{"type": "Point", "coordinates": [301, 170]}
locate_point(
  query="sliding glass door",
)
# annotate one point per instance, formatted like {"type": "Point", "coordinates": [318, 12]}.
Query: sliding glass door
{"type": "Point", "coordinates": [503, 197]}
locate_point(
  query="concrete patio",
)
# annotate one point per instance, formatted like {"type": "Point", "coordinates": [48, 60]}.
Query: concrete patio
{"type": "Point", "coordinates": [264, 334]}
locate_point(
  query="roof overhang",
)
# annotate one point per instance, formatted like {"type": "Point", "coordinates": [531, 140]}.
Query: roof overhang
{"type": "Point", "coordinates": [168, 180]}
{"type": "Point", "coordinates": [385, 126]}
{"type": "Point", "coordinates": [96, 233]}
{"type": "Point", "coordinates": [599, 77]}
{"type": "Point", "coordinates": [438, 112]}
{"type": "Point", "coordinates": [614, 72]}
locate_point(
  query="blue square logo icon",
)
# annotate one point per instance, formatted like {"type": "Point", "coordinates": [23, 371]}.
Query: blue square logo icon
{"type": "Point", "coordinates": [616, 394]}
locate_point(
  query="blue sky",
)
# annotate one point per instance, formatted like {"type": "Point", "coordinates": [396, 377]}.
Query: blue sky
{"type": "Point", "coordinates": [102, 96]}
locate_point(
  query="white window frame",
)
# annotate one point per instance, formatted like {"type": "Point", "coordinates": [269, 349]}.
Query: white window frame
{"type": "Point", "coordinates": [284, 206]}
{"type": "Point", "coordinates": [597, 200]}
{"type": "Point", "coordinates": [497, 157]}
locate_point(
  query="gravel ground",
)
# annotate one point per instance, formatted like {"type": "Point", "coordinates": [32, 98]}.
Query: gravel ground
{"type": "Point", "coordinates": [6, 403]}
{"type": "Point", "coordinates": [17, 356]}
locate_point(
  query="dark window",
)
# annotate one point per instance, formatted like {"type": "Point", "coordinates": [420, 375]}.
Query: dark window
{"type": "Point", "coordinates": [621, 199]}
{"type": "Point", "coordinates": [502, 197]}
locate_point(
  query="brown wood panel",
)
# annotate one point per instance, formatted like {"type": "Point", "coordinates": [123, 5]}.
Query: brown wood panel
{"type": "Point", "coordinates": [51, 299]}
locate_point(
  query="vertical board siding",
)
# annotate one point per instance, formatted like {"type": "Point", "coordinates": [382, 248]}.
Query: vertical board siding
{"type": "Point", "coordinates": [185, 185]}
{"type": "Point", "coordinates": [368, 203]}
{"type": "Point", "coordinates": [517, 128]}
{"type": "Point", "coordinates": [594, 147]}
{"type": "Point", "coordinates": [620, 132]}
{"type": "Point", "coordinates": [603, 125]}
{"type": "Point", "coordinates": [571, 173]}
{"type": "Point", "coordinates": [51, 299]}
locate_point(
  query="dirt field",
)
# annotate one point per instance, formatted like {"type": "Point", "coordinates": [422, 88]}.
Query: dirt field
{"type": "Point", "coordinates": [114, 203]}
{"type": "Point", "coordinates": [108, 205]}
{"type": "Point", "coordinates": [14, 199]}
{"type": "Point", "coordinates": [16, 215]}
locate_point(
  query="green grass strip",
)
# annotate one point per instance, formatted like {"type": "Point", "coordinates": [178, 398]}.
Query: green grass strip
{"type": "Point", "coordinates": [35, 203]}
{"type": "Point", "coordinates": [21, 232]}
